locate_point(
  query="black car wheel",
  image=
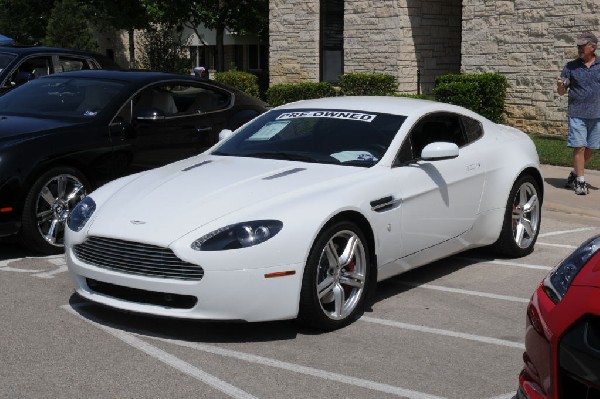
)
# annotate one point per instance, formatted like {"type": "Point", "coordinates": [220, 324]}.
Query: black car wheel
{"type": "Point", "coordinates": [522, 219]}
{"type": "Point", "coordinates": [335, 278]}
{"type": "Point", "coordinates": [47, 206]}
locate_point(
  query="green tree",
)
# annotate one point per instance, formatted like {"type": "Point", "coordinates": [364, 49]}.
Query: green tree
{"type": "Point", "coordinates": [25, 21]}
{"type": "Point", "coordinates": [241, 16]}
{"type": "Point", "coordinates": [68, 26]}
{"type": "Point", "coordinates": [127, 15]}
{"type": "Point", "coordinates": [161, 49]}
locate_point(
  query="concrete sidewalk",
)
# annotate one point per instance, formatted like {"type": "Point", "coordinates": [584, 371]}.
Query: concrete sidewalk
{"type": "Point", "coordinates": [559, 198]}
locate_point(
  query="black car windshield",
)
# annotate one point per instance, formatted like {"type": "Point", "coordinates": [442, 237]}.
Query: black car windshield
{"type": "Point", "coordinates": [345, 137]}
{"type": "Point", "coordinates": [5, 60]}
{"type": "Point", "coordinates": [61, 98]}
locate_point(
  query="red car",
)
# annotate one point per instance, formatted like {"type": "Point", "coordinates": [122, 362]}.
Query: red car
{"type": "Point", "coordinates": [562, 340]}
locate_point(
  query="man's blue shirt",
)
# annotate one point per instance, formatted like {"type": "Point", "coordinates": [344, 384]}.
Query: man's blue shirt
{"type": "Point", "coordinates": [584, 89]}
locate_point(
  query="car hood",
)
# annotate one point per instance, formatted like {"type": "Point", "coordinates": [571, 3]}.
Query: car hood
{"type": "Point", "coordinates": [166, 203]}
{"type": "Point", "coordinates": [23, 127]}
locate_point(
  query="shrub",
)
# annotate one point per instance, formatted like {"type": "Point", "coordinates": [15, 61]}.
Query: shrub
{"type": "Point", "coordinates": [284, 93]}
{"type": "Point", "coordinates": [368, 84]}
{"type": "Point", "coordinates": [488, 91]}
{"type": "Point", "coordinates": [243, 81]}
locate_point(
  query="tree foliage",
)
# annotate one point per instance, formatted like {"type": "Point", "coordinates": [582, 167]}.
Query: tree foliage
{"type": "Point", "coordinates": [25, 21]}
{"type": "Point", "coordinates": [241, 16]}
{"type": "Point", "coordinates": [68, 27]}
{"type": "Point", "coordinates": [161, 48]}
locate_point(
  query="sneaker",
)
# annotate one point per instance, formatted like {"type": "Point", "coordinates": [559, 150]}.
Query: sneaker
{"type": "Point", "coordinates": [581, 188]}
{"type": "Point", "coordinates": [571, 180]}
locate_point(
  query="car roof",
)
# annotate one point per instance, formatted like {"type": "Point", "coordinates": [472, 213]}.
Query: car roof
{"type": "Point", "coordinates": [42, 49]}
{"type": "Point", "coordinates": [127, 75]}
{"type": "Point", "coordinates": [142, 77]}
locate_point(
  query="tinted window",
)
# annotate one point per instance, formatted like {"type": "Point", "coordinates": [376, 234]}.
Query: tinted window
{"type": "Point", "coordinates": [72, 64]}
{"type": "Point", "coordinates": [445, 127]}
{"type": "Point", "coordinates": [344, 137]}
{"type": "Point", "coordinates": [473, 128]}
{"type": "Point", "coordinates": [60, 97]}
{"type": "Point", "coordinates": [180, 99]}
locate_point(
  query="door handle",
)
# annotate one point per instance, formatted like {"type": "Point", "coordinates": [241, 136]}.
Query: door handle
{"type": "Point", "coordinates": [204, 129]}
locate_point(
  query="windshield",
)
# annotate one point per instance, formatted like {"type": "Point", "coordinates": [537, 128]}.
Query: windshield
{"type": "Point", "coordinates": [5, 60]}
{"type": "Point", "coordinates": [60, 97]}
{"type": "Point", "coordinates": [343, 137]}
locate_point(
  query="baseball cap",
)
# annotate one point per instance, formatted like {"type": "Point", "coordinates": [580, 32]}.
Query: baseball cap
{"type": "Point", "coordinates": [587, 37]}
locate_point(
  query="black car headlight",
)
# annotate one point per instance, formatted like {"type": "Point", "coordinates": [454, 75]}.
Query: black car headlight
{"type": "Point", "coordinates": [240, 235]}
{"type": "Point", "coordinates": [81, 214]}
{"type": "Point", "coordinates": [557, 282]}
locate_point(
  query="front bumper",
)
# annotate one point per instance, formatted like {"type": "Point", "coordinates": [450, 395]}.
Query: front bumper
{"type": "Point", "coordinates": [243, 294]}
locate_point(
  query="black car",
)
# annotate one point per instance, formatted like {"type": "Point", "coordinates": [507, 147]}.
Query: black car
{"type": "Point", "coordinates": [65, 134]}
{"type": "Point", "coordinates": [22, 64]}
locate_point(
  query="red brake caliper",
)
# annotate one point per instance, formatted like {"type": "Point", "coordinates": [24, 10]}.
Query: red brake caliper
{"type": "Point", "coordinates": [349, 268]}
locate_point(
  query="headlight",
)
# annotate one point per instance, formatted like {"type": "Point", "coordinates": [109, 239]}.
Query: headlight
{"type": "Point", "coordinates": [81, 214]}
{"type": "Point", "coordinates": [558, 281]}
{"type": "Point", "coordinates": [240, 235]}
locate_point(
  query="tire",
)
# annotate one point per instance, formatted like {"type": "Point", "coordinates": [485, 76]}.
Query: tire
{"type": "Point", "coordinates": [47, 205]}
{"type": "Point", "coordinates": [522, 219]}
{"type": "Point", "coordinates": [335, 278]}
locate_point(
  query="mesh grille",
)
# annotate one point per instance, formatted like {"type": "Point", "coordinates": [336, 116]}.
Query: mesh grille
{"type": "Point", "coordinates": [136, 258]}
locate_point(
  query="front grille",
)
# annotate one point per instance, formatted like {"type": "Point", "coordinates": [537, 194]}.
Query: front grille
{"type": "Point", "coordinates": [136, 258]}
{"type": "Point", "coordinates": [579, 360]}
{"type": "Point", "coordinates": [163, 299]}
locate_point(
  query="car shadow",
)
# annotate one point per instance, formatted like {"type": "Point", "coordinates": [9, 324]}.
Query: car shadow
{"type": "Point", "coordinates": [184, 329]}
{"type": "Point", "coordinates": [426, 274]}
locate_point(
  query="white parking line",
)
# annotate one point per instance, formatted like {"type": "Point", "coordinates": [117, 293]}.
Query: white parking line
{"type": "Point", "coordinates": [447, 333]}
{"type": "Point", "coordinates": [232, 391]}
{"type": "Point", "coordinates": [505, 396]}
{"type": "Point", "coordinates": [313, 372]}
{"type": "Point", "coordinates": [557, 233]}
{"type": "Point", "coordinates": [505, 263]}
{"type": "Point", "coordinates": [168, 359]}
{"type": "Point", "coordinates": [556, 245]}
{"type": "Point", "coordinates": [465, 292]}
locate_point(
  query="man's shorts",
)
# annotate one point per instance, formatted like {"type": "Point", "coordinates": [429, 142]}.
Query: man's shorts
{"type": "Point", "coordinates": [584, 133]}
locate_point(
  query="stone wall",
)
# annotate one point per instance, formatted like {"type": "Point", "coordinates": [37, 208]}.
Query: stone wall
{"type": "Point", "coordinates": [397, 37]}
{"type": "Point", "coordinates": [529, 42]}
{"type": "Point", "coordinates": [293, 41]}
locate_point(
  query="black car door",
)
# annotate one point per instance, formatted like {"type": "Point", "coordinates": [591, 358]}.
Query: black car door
{"type": "Point", "coordinates": [167, 122]}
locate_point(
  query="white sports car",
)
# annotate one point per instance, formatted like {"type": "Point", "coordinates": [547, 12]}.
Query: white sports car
{"type": "Point", "coordinates": [301, 211]}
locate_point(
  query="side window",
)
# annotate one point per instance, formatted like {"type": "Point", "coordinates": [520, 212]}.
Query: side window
{"type": "Point", "coordinates": [155, 99]}
{"type": "Point", "coordinates": [67, 64]}
{"type": "Point", "coordinates": [193, 99]}
{"type": "Point", "coordinates": [441, 126]}
{"type": "Point", "coordinates": [33, 67]}
{"type": "Point", "coordinates": [473, 128]}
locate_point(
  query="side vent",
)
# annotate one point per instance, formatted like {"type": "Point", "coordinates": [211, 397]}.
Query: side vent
{"type": "Point", "coordinates": [384, 204]}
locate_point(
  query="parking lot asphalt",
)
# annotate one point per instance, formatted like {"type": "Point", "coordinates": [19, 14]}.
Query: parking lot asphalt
{"type": "Point", "coordinates": [561, 199]}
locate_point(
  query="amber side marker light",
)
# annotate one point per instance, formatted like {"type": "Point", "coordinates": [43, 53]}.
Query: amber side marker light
{"type": "Point", "coordinates": [6, 209]}
{"type": "Point", "coordinates": [280, 274]}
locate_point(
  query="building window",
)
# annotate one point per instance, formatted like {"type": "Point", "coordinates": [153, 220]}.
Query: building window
{"type": "Point", "coordinates": [332, 40]}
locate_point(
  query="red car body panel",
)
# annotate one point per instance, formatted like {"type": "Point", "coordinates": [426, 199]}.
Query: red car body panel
{"type": "Point", "coordinates": [547, 322]}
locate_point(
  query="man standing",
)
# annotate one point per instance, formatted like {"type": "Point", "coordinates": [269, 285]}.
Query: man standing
{"type": "Point", "coordinates": [581, 77]}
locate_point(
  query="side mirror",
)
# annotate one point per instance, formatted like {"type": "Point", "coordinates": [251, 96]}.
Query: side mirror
{"type": "Point", "coordinates": [225, 134]}
{"type": "Point", "coordinates": [150, 114]}
{"type": "Point", "coordinates": [439, 150]}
